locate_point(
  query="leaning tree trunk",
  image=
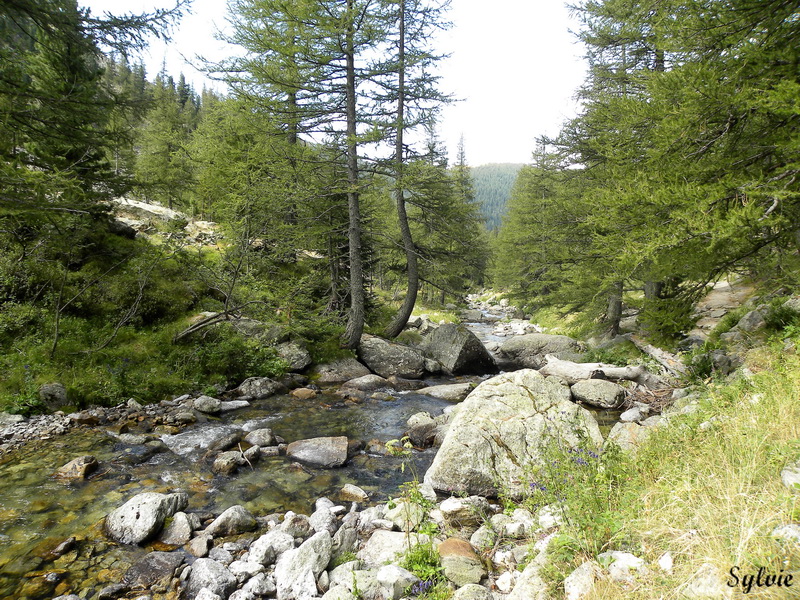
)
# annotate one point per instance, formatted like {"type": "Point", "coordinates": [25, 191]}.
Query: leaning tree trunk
{"type": "Point", "coordinates": [412, 269]}
{"type": "Point", "coordinates": [355, 321]}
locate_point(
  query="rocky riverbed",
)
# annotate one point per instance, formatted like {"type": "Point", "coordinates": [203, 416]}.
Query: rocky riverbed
{"type": "Point", "coordinates": [269, 447]}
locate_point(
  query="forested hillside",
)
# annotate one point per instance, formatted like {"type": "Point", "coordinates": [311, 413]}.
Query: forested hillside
{"type": "Point", "coordinates": [493, 185]}
{"type": "Point", "coordinates": [329, 215]}
{"type": "Point", "coordinates": [682, 166]}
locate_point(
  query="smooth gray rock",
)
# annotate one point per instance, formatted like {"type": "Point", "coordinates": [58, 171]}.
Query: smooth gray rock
{"type": "Point", "coordinates": [230, 405]}
{"type": "Point", "coordinates": [338, 371]}
{"type": "Point", "coordinates": [235, 520]}
{"type": "Point", "coordinates": [530, 585]}
{"type": "Point", "coordinates": [453, 392]}
{"type": "Point", "coordinates": [365, 383]}
{"type": "Point", "coordinates": [178, 532]}
{"type": "Point", "coordinates": [467, 513]}
{"type": "Point", "coordinates": [322, 519]}
{"type": "Point", "coordinates": [199, 546]}
{"type": "Point", "coordinates": [599, 392]}
{"type": "Point", "coordinates": [388, 358]}
{"type": "Point", "coordinates": [296, 525]}
{"type": "Point", "coordinates": [261, 437]}
{"type": "Point", "coordinates": [458, 350]}
{"type": "Point", "coordinates": [421, 429]}
{"type": "Point", "coordinates": [326, 452]}
{"type": "Point", "coordinates": [209, 574]}
{"type": "Point", "coordinates": [297, 570]}
{"type": "Point", "coordinates": [142, 517]}
{"type": "Point", "coordinates": [622, 566]}
{"type": "Point", "coordinates": [528, 351]}
{"type": "Point", "coordinates": [500, 431]}
{"type": "Point", "coordinates": [207, 404]}
{"type": "Point", "coordinates": [228, 463]}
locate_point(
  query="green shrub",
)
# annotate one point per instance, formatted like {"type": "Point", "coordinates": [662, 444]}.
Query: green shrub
{"type": "Point", "coordinates": [667, 319]}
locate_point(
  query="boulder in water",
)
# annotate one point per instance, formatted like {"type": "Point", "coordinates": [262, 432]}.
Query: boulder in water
{"type": "Point", "coordinates": [338, 371]}
{"type": "Point", "coordinates": [459, 351]}
{"type": "Point", "coordinates": [327, 452]}
{"type": "Point", "coordinates": [528, 351]}
{"type": "Point", "coordinates": [142, 517]}
{"type": "Point", "coordinates": [388, 358]}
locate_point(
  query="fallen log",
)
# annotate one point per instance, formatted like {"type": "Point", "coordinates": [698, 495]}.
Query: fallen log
{"type": "Point", "coordinates": [670, 362]}
{"type": "Point", "coordinates": [572, 372]}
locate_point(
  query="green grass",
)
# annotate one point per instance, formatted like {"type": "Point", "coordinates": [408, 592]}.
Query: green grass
{"type": "Point", "coordinates": [706, 494]}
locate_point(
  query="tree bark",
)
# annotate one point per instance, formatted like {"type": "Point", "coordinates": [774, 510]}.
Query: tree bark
{"type": "Point", "coordinates": [355, 321]}
{"type": "Point", "coordinates": [412, 269]}
{"type": "Point", "coordinates": [614, 313]}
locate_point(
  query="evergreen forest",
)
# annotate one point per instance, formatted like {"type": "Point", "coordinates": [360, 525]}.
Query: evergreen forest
{"type": "Point", "coordinates": [336, 210]}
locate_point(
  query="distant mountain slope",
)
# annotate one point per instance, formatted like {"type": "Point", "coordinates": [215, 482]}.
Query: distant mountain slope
{"type": "Point", "coordinates": [493, 185]}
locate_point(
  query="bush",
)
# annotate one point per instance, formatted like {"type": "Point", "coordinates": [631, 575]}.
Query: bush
{"type": "Point", "coordinates": [667, 319]}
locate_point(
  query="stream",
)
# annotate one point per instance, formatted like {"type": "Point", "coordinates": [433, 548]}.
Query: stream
{"type": "Point", "coordinates": [39, 511]}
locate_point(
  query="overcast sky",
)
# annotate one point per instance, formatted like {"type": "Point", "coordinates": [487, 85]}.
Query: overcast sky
{"type": "Point", "coordinates": [514, 64]}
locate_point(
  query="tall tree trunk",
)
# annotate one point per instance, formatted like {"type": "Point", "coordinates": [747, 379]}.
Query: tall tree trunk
{"type": "Point", "coordinates": [614, 313]}
{"type": "Point", "coordinates": [355, 321]}
{"type": "Point", "coordinates": [412, 269]}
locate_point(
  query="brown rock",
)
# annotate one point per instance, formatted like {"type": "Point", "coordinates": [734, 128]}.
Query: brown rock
{"type": "Point", "coordinates": [304, 393]}
{"type": "Point", "coordinates": [78, 468]}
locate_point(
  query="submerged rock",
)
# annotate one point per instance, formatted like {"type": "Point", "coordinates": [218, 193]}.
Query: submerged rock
{"type": "Point", "coordinates": [78, 468]}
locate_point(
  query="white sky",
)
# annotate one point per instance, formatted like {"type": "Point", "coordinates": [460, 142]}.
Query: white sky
{"type": "Point", "coordinates": [514, 65]}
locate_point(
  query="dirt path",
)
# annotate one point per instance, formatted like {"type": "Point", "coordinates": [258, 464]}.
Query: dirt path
{"type": "Point", "coordinates": [726, 295]}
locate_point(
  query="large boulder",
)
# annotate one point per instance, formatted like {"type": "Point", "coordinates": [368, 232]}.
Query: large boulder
{"type": "Point", "coordinates": [459, 350]}
{"type": "Point", "coordinates": [387, 358]}
{"type": "Point", "coordinates": [142, 517]}
{"type": "Point", "coordinates": [338, 371]}
{"type": "Point", "coordinates": [499, 433]}
{"type": "Point", "coordinates": [327, 452]}
{"type": "Point", "coordinates": [528, 351]}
